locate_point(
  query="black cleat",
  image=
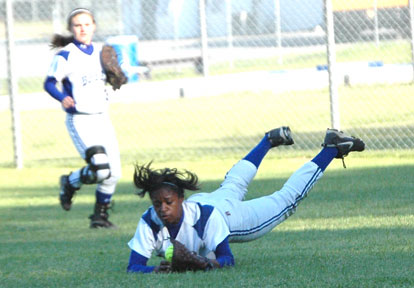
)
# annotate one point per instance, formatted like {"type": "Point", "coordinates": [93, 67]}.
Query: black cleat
{"type": "Point", "coordinates": [280, 136]}
{"type": "Point", "coordinates": [344, 143]}
{"type": "Point", "coordinates": [66, 192]}
{"type": "Point", "coordinates": [99, 219]}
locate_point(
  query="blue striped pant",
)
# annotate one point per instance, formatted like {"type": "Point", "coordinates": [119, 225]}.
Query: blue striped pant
{"type": "Point", "coordinates": [251, 219]}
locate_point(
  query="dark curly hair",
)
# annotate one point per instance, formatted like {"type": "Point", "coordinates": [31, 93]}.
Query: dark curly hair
{"type": "Point", "coordinates": [149, 180]}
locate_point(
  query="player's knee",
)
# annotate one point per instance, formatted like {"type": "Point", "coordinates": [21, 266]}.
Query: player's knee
{"type": "Point", "coordinates": [116, 172]}
{"type": "Point", "coordinates": [98, 168]}
{"type": "Point", "coordinates": [115, 175]}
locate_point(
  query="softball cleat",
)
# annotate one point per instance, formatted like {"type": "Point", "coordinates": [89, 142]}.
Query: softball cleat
{"type": "Point", "coordinates": [66, 193]}
{"type": "Point", "coordinates": [343, 142]}
{"type": "Point", "coordinates": [280, 136]}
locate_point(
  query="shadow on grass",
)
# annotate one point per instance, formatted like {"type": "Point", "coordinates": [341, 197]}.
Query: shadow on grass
{"type": "Point", "coordinates": [378, 186]}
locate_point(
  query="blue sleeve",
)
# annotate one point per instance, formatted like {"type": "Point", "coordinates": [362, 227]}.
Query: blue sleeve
{"type": "Point", "coordinates": [138, 263]}
{"type": "Point", "coordinates": [223, 254]}
{"type": "Point", "coordinates": [50, 87]}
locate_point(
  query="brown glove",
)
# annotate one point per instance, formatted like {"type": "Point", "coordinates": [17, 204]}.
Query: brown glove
{"type": "Point", "coordinates": [185, 260]}
{"type": "Point", "coordinates": [164, 267]}
{"type": "Point", "coordinates": [114, 74]}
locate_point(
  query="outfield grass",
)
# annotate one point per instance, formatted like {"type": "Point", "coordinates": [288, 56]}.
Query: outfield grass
{"type": "Point", "coordinates": [223, 126]}
{"type": "Point", "coordinates": [355, 229]}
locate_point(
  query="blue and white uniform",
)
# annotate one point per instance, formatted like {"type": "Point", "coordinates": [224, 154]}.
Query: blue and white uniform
{"type": "Point", "coordinates": [78, 68]}
{"type": "Point", "coordinates": [232, 219]}
{"type": "Point", "coordinates": [202, 229]}
{"type": "Point", "coordinates": [251, 219]}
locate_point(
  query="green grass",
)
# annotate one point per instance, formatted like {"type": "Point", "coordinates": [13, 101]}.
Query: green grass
{"type": "Point", "coordinates": [355, 229]}
{"type": "Point", "coordinates": [223, 126]}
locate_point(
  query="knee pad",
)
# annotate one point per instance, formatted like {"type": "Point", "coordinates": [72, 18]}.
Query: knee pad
{"type": "Point", "coordinates": [98, 168]}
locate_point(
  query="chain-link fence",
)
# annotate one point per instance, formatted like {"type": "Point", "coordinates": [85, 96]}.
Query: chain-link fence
{"type": "Point", "coordinates": [220, 73]}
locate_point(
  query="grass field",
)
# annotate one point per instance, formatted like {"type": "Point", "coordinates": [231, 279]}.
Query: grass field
{"type": "Point", "coordinates": [223, 126]}
{"type": "Point", "coordinates": [355, 229]}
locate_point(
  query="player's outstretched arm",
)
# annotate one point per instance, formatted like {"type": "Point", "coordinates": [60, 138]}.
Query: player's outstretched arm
{"type": "Point", "coordinates": [138, 264]}
{"type": "Point", "coordinates": [224, 256]}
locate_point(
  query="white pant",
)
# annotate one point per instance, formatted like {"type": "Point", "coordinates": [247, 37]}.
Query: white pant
{"type": "Point", "coordinates": [87, 130]}
{"type": "Point", "coordinates": [251, 219]}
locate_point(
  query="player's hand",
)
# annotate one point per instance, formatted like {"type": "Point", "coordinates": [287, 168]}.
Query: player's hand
{"type": "Point", "coordinates": [68, 102]}
{"type": "Point", "coordinates": [165, 267]}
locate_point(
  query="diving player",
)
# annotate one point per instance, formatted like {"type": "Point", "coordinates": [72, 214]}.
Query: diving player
{"type": "Point", "coordinates": [206, 222]}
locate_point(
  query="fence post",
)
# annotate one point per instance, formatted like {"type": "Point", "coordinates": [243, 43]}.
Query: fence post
{"type": "Point", "coordinates": [57, 17]}
{"type": "Point", "coordinates": [278, 31]}
{"type": "Point", "coordinates": [411, 5]}
{"type": "Point", "coordinates": [12, 83]}
{"type": "Point", "coordinates": [331, 57]}
{"type": "Point", "coordinates": [229, 31]}
{"type": "Point", "coordinates": [204, 37]}
{"type": "Point", "coordinates": [376, 34]}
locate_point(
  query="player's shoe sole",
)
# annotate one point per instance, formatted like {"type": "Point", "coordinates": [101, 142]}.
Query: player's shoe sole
{"type": "Point", "coordinates": [343, 142]}
{"type": "Point", "coordinates": [97, 223]}
{"type": "Point", "coordinates": [280, 136]}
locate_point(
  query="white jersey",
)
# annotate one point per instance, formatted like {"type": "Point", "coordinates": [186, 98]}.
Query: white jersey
{"type": "Point", "coordinates": [202, 230]}
{"type": "Point", "coordinates": [230, 216]}
{"type": "Point", "coordinates": [85, 85]}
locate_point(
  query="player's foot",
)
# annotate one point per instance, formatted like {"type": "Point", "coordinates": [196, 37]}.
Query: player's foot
{"type": "Point", "coordinates": [343, 142]}
{"type": "Point", "coordinates": [99, 219]}
{"type": "Point", "coordinates": [66, 193]}
{"type": "Point", "coordinates": [280, 136]}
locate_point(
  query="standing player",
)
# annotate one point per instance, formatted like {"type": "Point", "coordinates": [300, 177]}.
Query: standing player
{"type": "Point", "coordinates": [207, 222]}
{"type": "Point", "coordinates": [77, 66]}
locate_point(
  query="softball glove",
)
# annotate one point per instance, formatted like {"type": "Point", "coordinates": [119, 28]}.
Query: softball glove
{"type": "Point", "coordinates": [114, 74]}
{"type": "Point", "coordinates": [185, 260]}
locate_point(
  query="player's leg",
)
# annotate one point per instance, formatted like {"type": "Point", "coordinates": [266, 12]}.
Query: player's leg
{"type": "Point", "coordinates": [100, 170]}
{"type": "Point", "coordinates": [252, 219]}
{"type": "Point", "coordinates": [71, 183]}
{"type": "Point", "coordinates": [82, 130]}
{"type": "Point", "coordinates": [90, 134]}
{"type": "Point", "coordinates": [67, 191]}
{"type": "Point", "coordinates": [273, 138]}
{"type": "Point", "coordinates": [106, 189]}
{"type": "Point", "coordinates": [237, 179]}
{"type": "Point", "coordinates": [97, 170]}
